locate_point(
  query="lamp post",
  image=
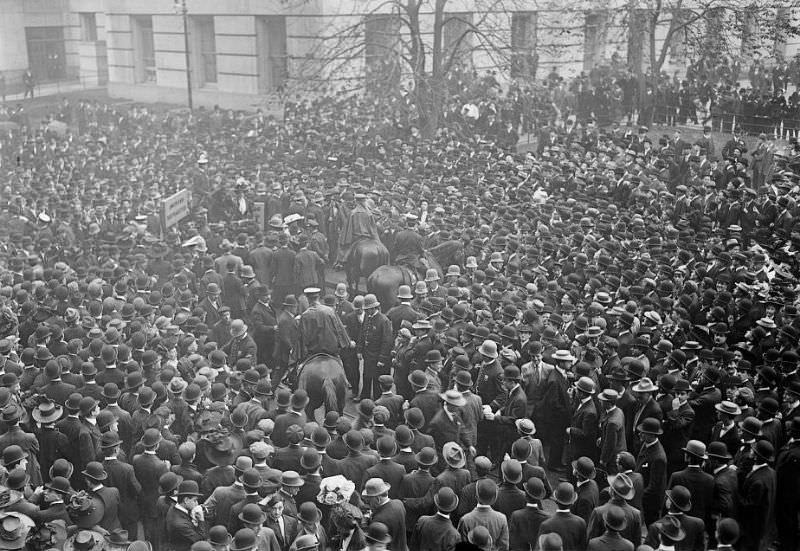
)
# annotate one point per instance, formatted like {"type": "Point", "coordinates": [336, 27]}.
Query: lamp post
{"type": "Point", "coordinates": [180, 7]}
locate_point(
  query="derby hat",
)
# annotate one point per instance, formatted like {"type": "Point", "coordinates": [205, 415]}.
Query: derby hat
{"type": "Point", "coordinates": [564, 494]}
{"type": "Point", "coordinates": [651, 425]}
{"type": "Point", "coordinates": [446, 500]}
{"type": "Point", "coordinates": [696, 448]}
{"type": "Point", "coordinates": [680, 497]}
{"type": "Point", "coordinates": [426, 457]}
{"type": "Point", "coordinates": [584, 466]}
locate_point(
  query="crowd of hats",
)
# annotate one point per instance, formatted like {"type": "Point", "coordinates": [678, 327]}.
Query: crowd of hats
{"type": "Point", "coordinates": [578, 257]}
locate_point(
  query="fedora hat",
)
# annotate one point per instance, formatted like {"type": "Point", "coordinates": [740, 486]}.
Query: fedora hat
{"type": "Point", "coordinates": [564, 494]}
{"type": "Point", "coordinates": [47, 412]}
{"type": "Point", "coordinates": [622, 485]}
{"type": "Point", "coordinates": [645, 384]}
{"type": "Point", "coordinates": [586, 385]}
{"type": "Point", "coordinates": [446, 500]}
{"type": "Point", "coordinates": [375, 487]}
{"type": "Point", "coordinates": [453, 397]}
{"type": "Point", "coordinates": [453, 455]}
{"type": "Point", "coordinates": [671, 529]}
{"type": "Point", "coordinates": [525, 426]}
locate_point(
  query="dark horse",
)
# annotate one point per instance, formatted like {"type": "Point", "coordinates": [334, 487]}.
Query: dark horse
{"type": "Point", "coordinates": [367, 255]}
{"type": "Point", "coordinates": [384, 281]}
{"type": "Point", "coordinates": [448, 252]}
{"type": "Point", "coordinates": [322, 377]}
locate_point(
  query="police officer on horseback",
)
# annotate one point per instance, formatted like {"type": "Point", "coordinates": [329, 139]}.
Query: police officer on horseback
{"type": "Point", "coordinates": [321, 330]}
{"type": "Point", "coordinates": [409, 247]}
{"type": "Point", "coordinates": [360, 225]}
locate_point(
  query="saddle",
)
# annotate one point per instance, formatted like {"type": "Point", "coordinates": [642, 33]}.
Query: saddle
{"type": "Point", "coordinates": [292, 374]}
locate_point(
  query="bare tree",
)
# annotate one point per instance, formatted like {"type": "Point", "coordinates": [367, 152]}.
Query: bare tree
{"type": "Point", "coordinates": [422, 40]}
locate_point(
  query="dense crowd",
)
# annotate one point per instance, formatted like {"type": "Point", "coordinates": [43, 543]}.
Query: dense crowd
{"type": "Point", "coordinates": [616, 339]}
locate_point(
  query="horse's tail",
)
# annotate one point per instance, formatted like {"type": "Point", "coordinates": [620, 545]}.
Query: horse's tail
{"type": "Point", "coordinates": [329, 392]}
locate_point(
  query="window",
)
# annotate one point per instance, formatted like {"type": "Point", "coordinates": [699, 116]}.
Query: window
{"type": "Point", "coordinates": [523, 44]}
{"type": "Point", "coordinates": [272, 53]}
{"type": "Point", "coordinates": [381, 36]}
{"type": "Point", "coordinates": [457, 37]}
{"type": "Point", "coordinates": [46, 53]}
{"type": "Point", "coordinates": [205, 49]}
{"type": "Point", "coordinates": [88, 26]}
{"type": "Point", "coordinates": [595, 32]}
{"type": "Point", "coordinates": [144, 48]}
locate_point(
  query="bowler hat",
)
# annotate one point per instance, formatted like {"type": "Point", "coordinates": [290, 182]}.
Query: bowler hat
{"type": "Point", "coordinates": [584, 466]}
{"type": "Point", "coordinates": [564, 494]}
{"type": "Point", "coordinates": [446, 499]}
{"type": "Point", "coordinates": [696, 448]}
{"type": "Point", "coordinates": [486, 491]}
{"type": "Point", "coordinates": [426, 457]}
{"type": "Point", "coordinates": [650, 425]}
{"type": "Point", "coordinates": [680, 497]}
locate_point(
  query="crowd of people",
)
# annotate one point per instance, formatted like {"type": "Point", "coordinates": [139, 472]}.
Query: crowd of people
{"type": "Point", "coordinates": [609, 363]}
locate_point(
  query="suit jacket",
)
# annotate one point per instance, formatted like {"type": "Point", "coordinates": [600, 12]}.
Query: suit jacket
{"type": "Point", "coordinates": [612, 437]}
{"type": "Point", "coordinates": [695, 534]}
{"type": "Point", "coordinates": [489, 382]}
{"type": "Point", "coordinates": [523, 527]}
{"type": "Point", "coordinates": [652, 464]}
{"type": "Point", "coordinates": [610, 541]}
{"type": "Point", "coordinates": [434, 533]}
{"type": "Point", "coordinates": [390, 472]}
{"type": "Point", "coordinates": [511, 408]}
{"type": "Point", "coordinates": [89, 442]}
{"type": "Point", "coordinates": [429, 402]}
{"type": "Point", "coordinates": [509, 499]}
{"type": "Point", "coordinates": [633, 531]}
{"type": "Point", "coordinates": [222, 499]}
{"type": "Point", "coordinates": [392, 514]}
{"type": "Point", "coordinates": [649, 409]}
{"type": "Point", "coordinates": [583, 431]}
{"type": "Point", "coordinates": [588, 497]}
{"type": "Point", "coordinates": [111, 504]}
{"type": "Point", "coordinates": [354, 465]}
{"type": "Point", "coordinates": [122, 477]}
{"type": "Point", "coordinates": [400, 313]}
{"type": "Point", "coordinates": [494, 521]}
{"type": "Point", "coordinates": [148, 469]}
{"type": "Point", "coordinates": [261, 260]}
{"type": "Point", "coordinates": [243, 347]}
{"type": "Point", "coordinates": [571, 528]}
{"type": "Point", "coordinates": [181, 531]}
{"type": "Point", "coordinates": [444, 430]}
{"type": "Point", "coordinates": [264, 319]}
{"type": "Point", "coordinates": [556, 403]}
{"type": "Point", "coordinates": [283, 267]}
{"type": "Point", "coordinates": [757, 509]}
{"type": "Point", "coordinates": [726, 488]}
{"type": "Point", "coordinates": [701, 485]}
{"type": "Point", "coordinates": [291, 527]}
